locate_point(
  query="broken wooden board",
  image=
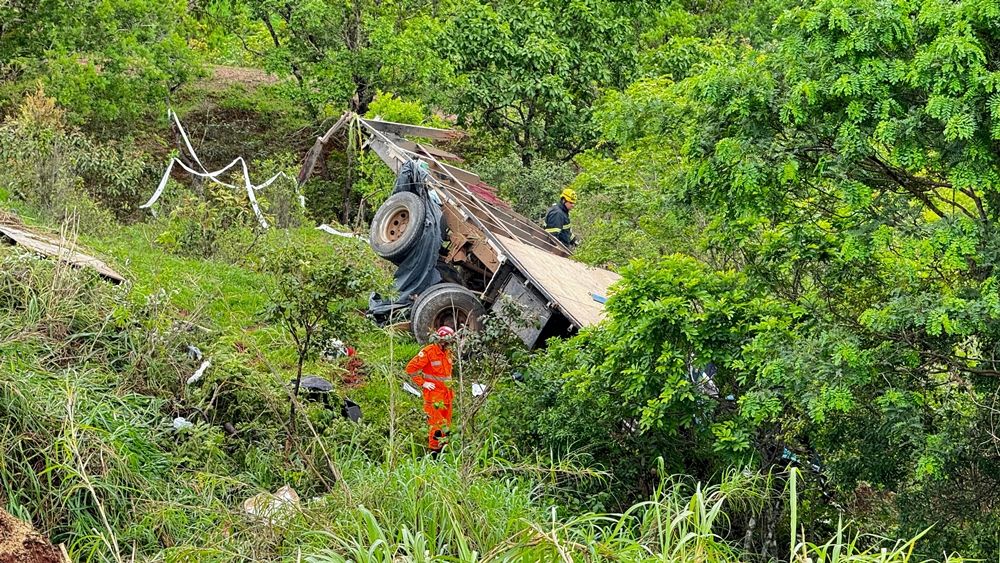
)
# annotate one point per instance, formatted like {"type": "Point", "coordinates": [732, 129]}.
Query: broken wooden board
{"type": "Point", "coordinates": [569, 284]}
{"type": "Point", "coordinates": [403, 129]}
{"type": "Point", "coordinates": [51, 246]}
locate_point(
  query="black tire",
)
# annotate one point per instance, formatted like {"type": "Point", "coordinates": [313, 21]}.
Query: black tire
{"type": "Point", "coordinates": [397, 225]}
{"type": "Point", "coordinates": [445, 304]}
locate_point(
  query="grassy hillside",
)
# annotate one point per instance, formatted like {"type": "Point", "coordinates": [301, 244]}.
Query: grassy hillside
{"type": "Point", "coordinates": [92, 376]}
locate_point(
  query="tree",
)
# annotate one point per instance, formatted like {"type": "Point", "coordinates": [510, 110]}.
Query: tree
{"type": "Point", "coordinates": [530, 71]}
{"type": "Point", "coordinates": [316, 293]}
{"type": "Point", "coordinates": [106, 61]}
{"type": "Point", "coordinates": [342, 53]}
{"type": "Point", "coordinates": [847, 168]}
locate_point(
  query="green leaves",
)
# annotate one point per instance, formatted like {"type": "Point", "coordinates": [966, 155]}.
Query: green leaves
{"type": "Point", "coordinates": [105, 60]}
{"type": "Point", "coordinates": [531, 71]}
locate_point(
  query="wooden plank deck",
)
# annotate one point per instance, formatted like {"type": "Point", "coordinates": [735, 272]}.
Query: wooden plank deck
{"type": "Point", "coordinates": [569, 284]}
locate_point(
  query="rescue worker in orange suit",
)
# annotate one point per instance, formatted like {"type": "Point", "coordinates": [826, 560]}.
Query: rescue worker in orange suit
{"type": "Point", "coordinates": [431, 371]}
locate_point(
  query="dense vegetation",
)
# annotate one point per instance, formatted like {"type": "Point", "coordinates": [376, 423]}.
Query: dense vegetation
{"type": "Point", "coordinates": [803, 195]}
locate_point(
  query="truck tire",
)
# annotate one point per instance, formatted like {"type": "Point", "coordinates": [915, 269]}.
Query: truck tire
{"type": "Point", "coordinates": [397, 225]}
{"type": "Point", "coordinates": [445, 304]}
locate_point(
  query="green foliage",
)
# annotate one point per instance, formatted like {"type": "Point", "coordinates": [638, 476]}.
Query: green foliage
{"type": "Point", "coordinates": [388, 107]}
{"type": "Point", "coordinates": [314, 295]}
{"type": "Point", "coordinates": [57, 169]}
{"type": "Point", "coordinates": [342, 53]}
{"type": "Point", "coordinates": [531, 71]}
{"type": "Point", "coordinates": [624, 392]}
{"type": "Point", "coordinates": [843, 167]}
{"type": "Point", "coordinates": [808, 191]}
{"type": "Point", "coordinates": [107, 61]}
{"type": "Point", "coordinates": [530, 189]}
{"type": "Point", "coordinates": [198, 227]}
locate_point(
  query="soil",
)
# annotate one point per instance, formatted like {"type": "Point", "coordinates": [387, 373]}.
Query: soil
{"type": "Point", "coordinates": [223, 76]}
{"type": "Point", "coordinates": [19, 543]}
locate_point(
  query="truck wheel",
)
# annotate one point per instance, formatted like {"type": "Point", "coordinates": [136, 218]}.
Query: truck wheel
{"type": "Point", "coordinates": [397, 225]}
{"type": "Point", "coordinates": [445, 304]}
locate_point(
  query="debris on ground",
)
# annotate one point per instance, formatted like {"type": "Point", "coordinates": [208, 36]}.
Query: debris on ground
{"type": "Point", "coordinates": [356, 369]}
{"type": "Point", "coordinates": [20, 543]}
{"type": "Point", "coordinates": [478, 389]}
{"type": "Point", "coordinates": [330, 230]}
{"type": "Point", "coordinates": [199, 372]}
{"type": "Point", "coordinates": [411, 389]}
{"type": "Point", "coordinates": [351, 410]}
{"type": "Point", "coordinates": [194, 352]}
{"type": "Point", "coordinates": [316, 388]}
{"type": "Point", "coordinates": [272, 508]}
{"type": "Point", "coordinates": [314, 384]}
{"type": "Point", "coordinates": [333, 348]}
{"type": "Point", "coordinates": [181, 423]}
{"type": "Point", "coordinates": [58, 248]}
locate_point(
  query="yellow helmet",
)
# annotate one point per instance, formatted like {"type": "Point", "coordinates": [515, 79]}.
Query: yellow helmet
{"type": "Point", "coordinates": [569, 194]}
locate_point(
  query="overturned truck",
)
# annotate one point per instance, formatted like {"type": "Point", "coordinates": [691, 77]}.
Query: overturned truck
{"type": "Point", "coordinates": [459, 249]}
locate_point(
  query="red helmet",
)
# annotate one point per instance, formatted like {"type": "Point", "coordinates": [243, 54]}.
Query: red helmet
{"type": "Point", "coordinates": [445, 332]}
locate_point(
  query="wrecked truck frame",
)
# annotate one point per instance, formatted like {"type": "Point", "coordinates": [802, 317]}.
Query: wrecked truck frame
{"type": "Point", "coordinates": [492, 250]}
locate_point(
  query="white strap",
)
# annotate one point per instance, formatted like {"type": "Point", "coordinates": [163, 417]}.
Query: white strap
{"type": "Point", "coordinates": [213, 176]}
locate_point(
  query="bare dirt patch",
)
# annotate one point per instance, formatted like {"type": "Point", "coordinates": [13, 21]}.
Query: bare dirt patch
{"type": "Point", "coordinates": [19, 543]}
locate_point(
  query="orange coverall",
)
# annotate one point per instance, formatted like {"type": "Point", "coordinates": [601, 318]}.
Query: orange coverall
{"type": "Point", "coordinates": [433, 364]}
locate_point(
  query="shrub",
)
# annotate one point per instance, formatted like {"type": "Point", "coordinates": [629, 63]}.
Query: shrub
{"type": "Point", "coordinates": [55, 168]}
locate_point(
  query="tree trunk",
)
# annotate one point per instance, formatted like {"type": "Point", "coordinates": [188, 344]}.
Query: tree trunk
{"type": "Point", "coordinates": [298, 379]}
{"type": "Point", "coordinates": [345, 218]}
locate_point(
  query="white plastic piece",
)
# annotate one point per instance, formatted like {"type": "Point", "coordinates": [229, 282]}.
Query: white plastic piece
{"type": "Point", "coordinates": [478, 389]}
{"type": "Point", "coordinates": [330, 230]}
{"type": "Point", "coordinates": [181, 423]}
{"type": "Point", "coordinates": [272, 508]}
{"type": "Point", "coordinates": [199, 372]}
{"type": "Point", "coordinates": [412, 390]}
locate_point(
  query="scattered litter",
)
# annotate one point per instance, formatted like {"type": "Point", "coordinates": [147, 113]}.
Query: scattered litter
{"type": "Point", "coordinates": [330, 230]}
{"type": "Point", "coordinates": [199, 372]}
{"type": "Point", "coordinates": [703, 377]}
{"type": "Point", "coordinates": [478, 389]}
{"type": "Point", "coordinates": [181, 423]}
{"type": "Point", "coordinates": [351, 410]}
{"type": "Point", "coordinates": [599, 298]}
{"type": "Point", "coordinates": [316, 388]}
{"type": "Point", "coordinates": [314, 384]}
{"type": "Point", "coordinates": [518, 376]}
{"type": "Point", "coordinates": [272, 508]}
{"type": "Point", "coordinates": [412, 390]}
{"type": "Point", "coordinates": [194, 352]}
{"type": "Point", "coordinates": [333, 349]}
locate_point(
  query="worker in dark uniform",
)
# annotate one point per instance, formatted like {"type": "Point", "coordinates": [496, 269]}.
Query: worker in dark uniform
{"type": "Point", "coordinates": [557, 218]}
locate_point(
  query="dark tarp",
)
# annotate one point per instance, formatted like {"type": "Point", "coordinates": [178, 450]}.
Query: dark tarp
{"type": "Point", "coordinates": [416, 271]}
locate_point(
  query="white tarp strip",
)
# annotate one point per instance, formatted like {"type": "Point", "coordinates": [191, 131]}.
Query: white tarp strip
{"type": "Point", "coordinates": [328, 229]}
{"type": "Point", "coordinates": [250, 188]}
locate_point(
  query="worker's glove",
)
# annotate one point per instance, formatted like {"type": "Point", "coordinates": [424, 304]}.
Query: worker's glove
{"type": "Point", "coordinates": [429, 386]}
